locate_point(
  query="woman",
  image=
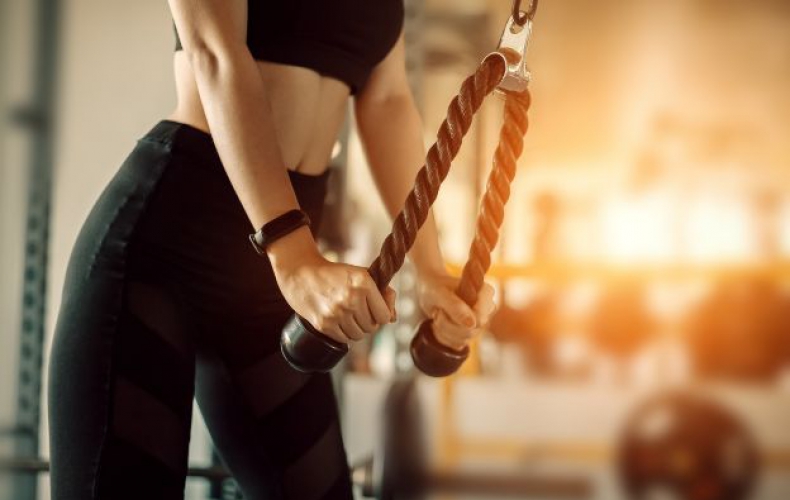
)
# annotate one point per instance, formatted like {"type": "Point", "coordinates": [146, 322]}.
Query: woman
{"type": "Point", "coordinates": [165, 299]}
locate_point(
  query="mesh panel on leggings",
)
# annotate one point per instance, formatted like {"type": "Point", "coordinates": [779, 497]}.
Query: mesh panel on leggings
{"type": "Point", "coordinates": [146, 452]}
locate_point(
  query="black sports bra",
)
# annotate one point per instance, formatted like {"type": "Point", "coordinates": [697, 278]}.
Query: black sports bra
{"type": "Point", "coordinates": [343, 39]}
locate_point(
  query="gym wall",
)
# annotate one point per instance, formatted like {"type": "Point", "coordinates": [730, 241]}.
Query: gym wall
{"type": "Point", "coordinates": [115, 82]}
{"type": "Point", "coordinates": [15, 31]}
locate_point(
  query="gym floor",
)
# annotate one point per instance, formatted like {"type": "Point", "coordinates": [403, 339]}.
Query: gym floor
{"type": "Point", "coordinates": [644, 258]}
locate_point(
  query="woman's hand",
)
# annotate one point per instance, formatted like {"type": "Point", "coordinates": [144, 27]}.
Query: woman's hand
{"type": "Point", "coordinates": [339, 300]}
{"type": "Point", "coordinates": [454, 322]}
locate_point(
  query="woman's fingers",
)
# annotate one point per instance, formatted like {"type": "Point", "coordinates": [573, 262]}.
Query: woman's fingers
{"type": "Point", "coordinates": [333, 331]}
{"type": "Point", "coordinates": [351, 329]}
{"type": "Point", "coordinates": [340, 300]}
{"type": "Point", "coordinates": [455, 323]}
{"type": "Point", "coordinates": [359, 311]}
{"type": "Point", "coordinates": [456, 309]}
{"type": "Point", "coordinates": [450, 333]}
{"type": "Point", "coordinates": [389, 297]}
{"type": "Point", "coordinates": [485, 307]}
{"type": "Point", "coordinates": [376, 303]}
{"type": "Point", "coordinates": [365, 307]}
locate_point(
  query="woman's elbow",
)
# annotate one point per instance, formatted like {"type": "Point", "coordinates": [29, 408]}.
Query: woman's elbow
{"type": "Point", "coordinates": [389, 107]}
{"type": "Point", "coordinates": [204, 59]}
{"type": "Point", "coordinates": [211, 60]}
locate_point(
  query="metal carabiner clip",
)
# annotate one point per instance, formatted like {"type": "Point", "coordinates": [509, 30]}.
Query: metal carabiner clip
{"type": "Point", "coordinates": [513, 48]}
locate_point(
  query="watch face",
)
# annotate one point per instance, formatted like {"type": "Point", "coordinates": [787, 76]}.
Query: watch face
{"type": "Point", "coordinates": [258, 248]}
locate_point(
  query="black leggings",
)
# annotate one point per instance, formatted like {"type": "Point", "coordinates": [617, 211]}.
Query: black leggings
{"type": "Point", "coordinates": [165, 300]}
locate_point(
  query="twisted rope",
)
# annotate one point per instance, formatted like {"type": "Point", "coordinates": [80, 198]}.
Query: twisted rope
{"type": "Point", "coordinates": [492, 211]}
{"type": "Point", "coordinates": [437, 165]}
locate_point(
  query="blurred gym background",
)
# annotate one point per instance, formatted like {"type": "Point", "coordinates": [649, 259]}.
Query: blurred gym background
{"type": "Point", "coordinates": [642, 346]}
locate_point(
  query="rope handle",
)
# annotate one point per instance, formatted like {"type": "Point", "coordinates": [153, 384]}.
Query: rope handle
{"type": "Point", "coordinates": [492, 207]}
{"type": "Point", "coordinates": [429, 179]}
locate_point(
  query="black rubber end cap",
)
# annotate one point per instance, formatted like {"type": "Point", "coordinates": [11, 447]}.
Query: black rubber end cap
{"type": "Point", "coordinates": [308, 350]}
{"type": "Point", "coordinates": [432, 357]}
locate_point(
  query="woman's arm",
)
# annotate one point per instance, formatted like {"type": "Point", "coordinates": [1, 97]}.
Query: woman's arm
{"type": "Point", "coordinates": [213, 36]}
{"type": "Point", "coordinates": [391, 131]}
{"type": "Point", "coordinates": [341, 301]}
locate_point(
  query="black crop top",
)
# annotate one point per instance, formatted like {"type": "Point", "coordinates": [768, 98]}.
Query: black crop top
{"type": "Point", "coordinates": [343, 39]}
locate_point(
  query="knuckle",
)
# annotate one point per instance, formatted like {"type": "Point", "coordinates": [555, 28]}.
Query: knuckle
{"type": "Point", "coordinates": [366, 282]}
{"type": "Point", "coordinates": [324, 324]}
{"type": "Point", "coordinates": [341, 319]}
{"type": "Point", "coordinates": [336, 310]}
{"type": "Point", "coordinates": [353, 330]}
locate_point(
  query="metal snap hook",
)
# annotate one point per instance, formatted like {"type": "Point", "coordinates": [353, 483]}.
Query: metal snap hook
{"type": "Point", "coordinates": [513, 49]}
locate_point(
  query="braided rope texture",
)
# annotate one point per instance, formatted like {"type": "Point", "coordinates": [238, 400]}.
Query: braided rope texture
{"type": "Point", "coordinates": [437, 165]}
{"type": "Point", "coordinates": [492, 211]}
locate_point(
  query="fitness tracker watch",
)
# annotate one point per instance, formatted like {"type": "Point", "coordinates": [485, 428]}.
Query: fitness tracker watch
{"type": "Point", "coordinates": [277, 228]}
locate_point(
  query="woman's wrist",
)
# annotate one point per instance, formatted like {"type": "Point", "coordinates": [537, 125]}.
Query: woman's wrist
{"type": "Point", "coordinates": [293, 250]}
{"type": "Point", "coordinates": [426, 255]}
{"type": "Point", "coordinates": [432, 269]}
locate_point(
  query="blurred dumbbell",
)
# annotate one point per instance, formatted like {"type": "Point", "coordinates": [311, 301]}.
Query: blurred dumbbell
{"type": "Point", "coordinates": [687, 447]}
{"type": "Point", "coordinates": [742, 332]}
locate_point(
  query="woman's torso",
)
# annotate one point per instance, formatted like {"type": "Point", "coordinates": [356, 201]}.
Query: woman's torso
{"type": "Point", "coordinates": [311, 54]}
{"type": "Point", "coordinates": [308, 110]}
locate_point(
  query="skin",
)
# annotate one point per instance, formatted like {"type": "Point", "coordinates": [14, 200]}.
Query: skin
{"type": "Point", "coordinates": [265, 118]}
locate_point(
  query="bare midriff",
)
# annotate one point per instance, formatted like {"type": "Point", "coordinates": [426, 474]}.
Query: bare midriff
{"type": "Point", "coordinates": [308, 110]}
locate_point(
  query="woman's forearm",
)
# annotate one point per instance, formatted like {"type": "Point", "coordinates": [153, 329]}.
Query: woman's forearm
{"type": "Point", "coordinates": [243, 134]}
{"type": "Point", "coordinates": [391, 132]}
{"type": "Point", "coordinates": [245, 139]}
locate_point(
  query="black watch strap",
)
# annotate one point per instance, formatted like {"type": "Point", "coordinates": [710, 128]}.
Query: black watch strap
{"type": "Point", "coordinates": [277, 228]}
